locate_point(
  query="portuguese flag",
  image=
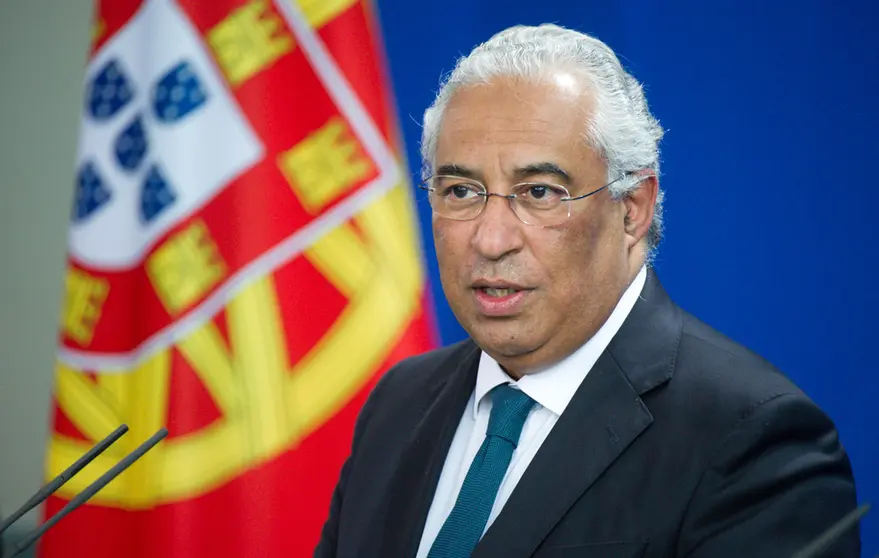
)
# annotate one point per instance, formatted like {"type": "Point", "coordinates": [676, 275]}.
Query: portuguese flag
{"type": "Point", "coordinates": [244, 264]}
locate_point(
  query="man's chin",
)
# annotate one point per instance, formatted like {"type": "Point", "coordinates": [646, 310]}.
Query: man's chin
{"type": "Point", "coordinates": [507, 343]}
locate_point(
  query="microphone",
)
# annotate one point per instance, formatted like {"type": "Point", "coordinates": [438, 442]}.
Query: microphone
{"type": "Point", "coordinates": [65, 475]}
{"type": "Point", "coordinates": [90, 490]}
{"type": "Point", "coordinates": [828, 537]}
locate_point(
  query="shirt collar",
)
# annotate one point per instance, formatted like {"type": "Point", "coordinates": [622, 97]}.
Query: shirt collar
{"type": "Point", "coordinates": [554, 387]}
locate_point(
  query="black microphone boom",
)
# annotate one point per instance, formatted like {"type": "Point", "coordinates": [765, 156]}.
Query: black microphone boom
{"type": "Point", "coordinates": [65, 475]}
{"type": "Point", "coordinates": [828, 537]}
{"type": "Point", "coordinates": [91, 490]}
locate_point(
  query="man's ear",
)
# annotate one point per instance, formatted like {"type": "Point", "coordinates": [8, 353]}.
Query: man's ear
{"type": "Point", "coordinates": [639, 206]}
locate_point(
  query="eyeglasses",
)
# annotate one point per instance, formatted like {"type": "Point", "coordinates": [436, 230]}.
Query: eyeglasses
{"type": "Point", "coordinates": [534, 203]}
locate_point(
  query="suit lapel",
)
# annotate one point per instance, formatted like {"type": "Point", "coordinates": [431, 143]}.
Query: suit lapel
{"type": "Point", "coordinates": [604, 417]}
{"type": "Point", "coordinates": [417, 475]}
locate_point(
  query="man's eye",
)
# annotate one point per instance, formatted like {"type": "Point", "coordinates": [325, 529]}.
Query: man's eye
{"type": "Point", "coordinates": [543, 192]}
{"type": "Point", "coordinates": [538, 192]}
{"type": "Point", "coordinates": [460, 192]}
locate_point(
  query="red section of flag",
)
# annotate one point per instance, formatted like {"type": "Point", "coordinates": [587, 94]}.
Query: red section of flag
{"type": "Point", "coordinates": [111, 16]}
{"type": "Point", "coordinates": [190, 406]}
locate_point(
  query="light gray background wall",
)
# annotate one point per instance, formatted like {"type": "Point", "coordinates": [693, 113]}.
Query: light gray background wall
{"type": "Point", "coordinates": [43, 51]}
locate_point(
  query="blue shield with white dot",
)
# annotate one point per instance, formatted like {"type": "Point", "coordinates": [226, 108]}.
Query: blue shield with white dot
{"type": "Point", "coordinates": [91, 192]}
{"type": "Point", "coordinates": [131, 146]}
{"type": "Point", "coordinates": [178, 93]}
{"type": "Point", "coordinates": [109, 91]}
{"type": "Point", "coordinates": [156, 194]}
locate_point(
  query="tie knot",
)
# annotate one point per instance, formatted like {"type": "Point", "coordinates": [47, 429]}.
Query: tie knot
{"type": "Point", "coordinates": [509, 409]}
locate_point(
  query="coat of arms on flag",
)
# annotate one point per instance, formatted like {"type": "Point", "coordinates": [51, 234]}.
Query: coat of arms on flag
{"type": "Point", "coordinates": [244, 263]}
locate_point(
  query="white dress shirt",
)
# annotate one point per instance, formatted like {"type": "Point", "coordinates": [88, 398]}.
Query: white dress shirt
{"type": "Point", "coordinates": [552, 389]}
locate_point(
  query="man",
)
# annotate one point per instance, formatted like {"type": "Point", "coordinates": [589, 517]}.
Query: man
{"type": "Point", "coordinates": [587, 415]}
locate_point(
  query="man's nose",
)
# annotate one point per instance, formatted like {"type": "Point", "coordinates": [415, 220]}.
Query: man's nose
{"type": "Point", "coordinates": [499, 231]}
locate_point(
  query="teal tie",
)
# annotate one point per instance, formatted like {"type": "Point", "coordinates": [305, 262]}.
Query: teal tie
{"type": "Point", "coordinates": [465, 524]}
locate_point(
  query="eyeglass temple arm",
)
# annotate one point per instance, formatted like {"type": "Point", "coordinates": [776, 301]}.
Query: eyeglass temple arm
{"type": "Point", "coordinates": [625, 174]}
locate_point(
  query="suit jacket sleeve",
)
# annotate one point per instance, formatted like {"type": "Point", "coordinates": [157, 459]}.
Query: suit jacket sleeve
{"type": "Point", "coordinates": [326, 547]}
{"type": "Point", "coordinates": [777, 481]}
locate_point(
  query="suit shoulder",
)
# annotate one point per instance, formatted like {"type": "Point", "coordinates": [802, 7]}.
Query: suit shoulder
{"type": "Point", "coordinates": [402, 393]}
{"type": "Point", "coordinates": [724, 399]}
{"type": "Point", "coordinates": [726, 378]}
{"type": "Point", "coordinates": [744, 365]}
{"type": "Point", "coordinates": [413, 372]}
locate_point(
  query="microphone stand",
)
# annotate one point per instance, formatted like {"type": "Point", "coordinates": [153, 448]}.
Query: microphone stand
{"type": "Point", "coordinates": [83, 496]}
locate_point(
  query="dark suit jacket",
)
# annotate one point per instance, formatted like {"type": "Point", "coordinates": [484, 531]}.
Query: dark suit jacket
{"type": "Point", "coordinates": [679, 442]}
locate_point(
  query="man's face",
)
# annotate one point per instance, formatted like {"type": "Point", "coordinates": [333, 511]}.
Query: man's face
{"type": "Point", "coordinates": [566, 278]}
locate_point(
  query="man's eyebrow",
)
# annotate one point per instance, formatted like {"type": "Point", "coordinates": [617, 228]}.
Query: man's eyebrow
{"type": "Point", "coordinates": [544, 168]}
{"type": "Point", "coordinates": [457, 170]}
{"type": "Point", "coordinates": [521, 173]}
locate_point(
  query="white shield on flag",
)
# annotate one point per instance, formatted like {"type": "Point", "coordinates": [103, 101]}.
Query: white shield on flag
{"type": "Point", "coordinates": [160, 136]}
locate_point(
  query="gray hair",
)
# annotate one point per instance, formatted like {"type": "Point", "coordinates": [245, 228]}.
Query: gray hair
{"type": "Point", "coordinates": [622, 129]}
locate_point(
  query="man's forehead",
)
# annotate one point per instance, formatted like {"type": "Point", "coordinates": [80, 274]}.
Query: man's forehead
{"type": "Point", "coordinates": [471, 126]}
{"type": "Point", "coordinates": [523, 128]}
{"type": "Point", "coordinates": [523, 109]}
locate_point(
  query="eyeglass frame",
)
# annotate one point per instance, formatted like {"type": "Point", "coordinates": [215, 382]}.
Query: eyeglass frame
{"type": "Point", "coordinates": [485, 194]}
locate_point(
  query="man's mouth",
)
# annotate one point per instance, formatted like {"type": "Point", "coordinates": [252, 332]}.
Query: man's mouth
{"type": "Point", "coordinates": [498, 291]}
{"type": "Point", "coordinates": [499, 298]}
